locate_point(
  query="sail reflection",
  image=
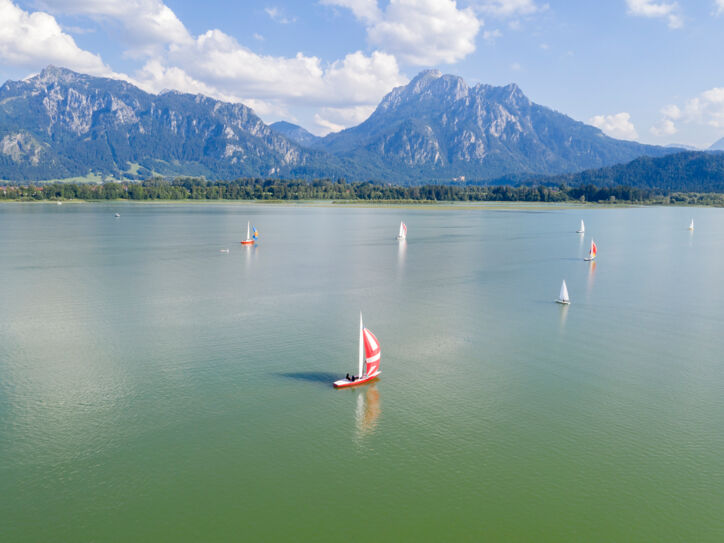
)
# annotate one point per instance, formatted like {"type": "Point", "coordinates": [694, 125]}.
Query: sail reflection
{"type": "Point", "coordinates": [368, 410]}
{"type": "Point", "coordinates": [563, 316]}
{"type": "Point", "coordinates": [250, 256]}
{"type": "Point", "coordinates": [591, 276]}
{"type": "Point", "coordinates": [401, 251]}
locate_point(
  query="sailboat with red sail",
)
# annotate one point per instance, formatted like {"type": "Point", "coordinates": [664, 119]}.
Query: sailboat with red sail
{"type": "Point", "coordinates": [369, 360]}
{"type": "Point", "coordinates": [592, 252]}
{"type": "Point", "coordinates": [251, 235]}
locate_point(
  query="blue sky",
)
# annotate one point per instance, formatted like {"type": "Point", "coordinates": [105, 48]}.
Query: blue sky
{"type": "Point", "coordinates": [648, 70]}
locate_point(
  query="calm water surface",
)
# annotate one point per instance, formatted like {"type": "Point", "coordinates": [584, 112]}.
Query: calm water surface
{"type": "Point", "coordinates": [153, 388]}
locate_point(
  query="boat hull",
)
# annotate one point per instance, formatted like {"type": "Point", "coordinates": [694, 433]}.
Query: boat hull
{"type": "Point", "coordinates": [563, 302]}
{"type": "Point", "coordinates": [344, 383]}
{"type": "Point", "coordinates": [248, 242]}
{"type": "Point", "coordinates": [589, 259]}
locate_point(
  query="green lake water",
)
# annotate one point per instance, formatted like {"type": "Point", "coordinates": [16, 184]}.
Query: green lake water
{"type": "Point", "coordinates": [153, 388]}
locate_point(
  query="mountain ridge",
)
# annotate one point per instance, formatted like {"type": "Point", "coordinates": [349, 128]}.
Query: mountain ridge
{"type": "Point", "coordinates": [61, 124]}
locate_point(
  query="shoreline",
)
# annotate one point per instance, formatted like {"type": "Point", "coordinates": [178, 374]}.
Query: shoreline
{"type": "Point", "coordinates": [497, 205]}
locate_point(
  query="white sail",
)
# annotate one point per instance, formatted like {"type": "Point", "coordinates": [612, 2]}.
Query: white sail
{"type": "Point", "coordinates": [248, 231]}
{"type": "Point", "coordinates": [691, 226]}
{"type": "Point", "coordinates": [563, 297]}
{"type": "Point", "coordinates": [403, 231]}
{"type": "Point", "coordinates": [361, 354]}
{"type": "Point", "coordinates": [582, 228]}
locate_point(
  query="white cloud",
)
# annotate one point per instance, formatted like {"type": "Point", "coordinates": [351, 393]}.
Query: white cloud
{"type": "Point", "coordinates": [219, 60]}
{"type": "Point", "coordinates": [719, 6]}
{"type": "Point", "coordinates": [653, 9]}
{"type": "Point", "coordinates": [665, 127]}
{"type": "Point", "coordinates": [419, 32]}
{"type": "Point", "coordinates": [491, 35]}
{"type": "Point", "coordinates": [671, 111]}
{"type": "Point", "coordinates": [516, 67]}
{"type": "Point", "coordinates": [146, 22]}
{"type": "Point", "coordinates": [29, 39]}
{"type": "Point", "coordinates": [511, 8]}
{"type": "Point", "coordinates": [277, 15]}
{"type": "Point", "coordinates": [706, 109]}
{"type": "Point", "coordinates": [364, 10]}
{"type": "Point", "coordinates": [331, 119]}
{"type": "Point", "coordinates": [618, 125]}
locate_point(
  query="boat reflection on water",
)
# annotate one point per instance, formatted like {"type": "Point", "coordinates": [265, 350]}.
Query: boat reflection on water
{"type": "Point", "coordinates": [250, 256]}
{"type": "Point", "coordinates": [591, 276]}
{"type": "Point", "coordinates": [564, 316]}
{"type": "Point", "coordinates": [401, 250]}
{"type": "Point", "coordinates": [368, 410]}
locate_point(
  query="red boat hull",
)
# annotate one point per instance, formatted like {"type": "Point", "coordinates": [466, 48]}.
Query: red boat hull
{"type": "Point", "coordinates": [248, 242]}
{"type": "Point", "coordinates": [344, 383]}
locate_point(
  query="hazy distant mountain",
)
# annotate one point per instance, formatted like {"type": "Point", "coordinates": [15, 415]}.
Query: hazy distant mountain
{"type": "Point", "coordinates": [439, 127]}
{"type": "Point", "coordinates": [681, 146]}
{"type": "Point", "coordinates": [61, 124]}
{"type": "Point", "coordinates": [718, 145]}
{"type": "Point", "coordinates": [295, 133]}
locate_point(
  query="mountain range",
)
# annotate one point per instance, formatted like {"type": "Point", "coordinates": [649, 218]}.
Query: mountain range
{"type": "Point", "coordinates": [62, 124]}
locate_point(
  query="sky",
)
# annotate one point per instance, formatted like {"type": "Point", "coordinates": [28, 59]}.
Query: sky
{"type": "Point", "coordinates": [644, 70]}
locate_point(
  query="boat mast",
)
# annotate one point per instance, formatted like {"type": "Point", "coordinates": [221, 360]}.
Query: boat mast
{"type": "Point", "coordinates": [360, 345]}
{"type": "Point", "coordinates": [248, 224]}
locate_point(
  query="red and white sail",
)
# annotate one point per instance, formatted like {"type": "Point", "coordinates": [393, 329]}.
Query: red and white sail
{"type": "Point", "coordinates": [593, 251]}
{"type": "Point", "coordinates": [403, 231]}
{"type": "Point", "coordinates": [369, 359]}
{"type": "Point", "coordinates": [372, 352]}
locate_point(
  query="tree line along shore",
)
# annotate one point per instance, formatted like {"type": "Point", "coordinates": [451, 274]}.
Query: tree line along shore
{"type": "Point", "coordinates": [189, 188]}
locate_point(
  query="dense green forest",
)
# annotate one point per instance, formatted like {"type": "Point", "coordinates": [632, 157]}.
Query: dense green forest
{"type": "Point", "coordinates": [324, 189]}
{"type": "Point", "coordinates": [692, 171]}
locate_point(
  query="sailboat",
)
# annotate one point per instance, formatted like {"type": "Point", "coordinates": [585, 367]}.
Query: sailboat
{"type": "Point", "coordinates": [691, 226]}
{"type": "Point", "coordinates": [403, 231]}
{"type": "Point", "coordinates": [581, 229]}
{"type": "Point", "coordinates": [592, 252]}
{"type": "Point", "coordinates": [251, 235]}
{"type": "Point", "coordinates": [369, 359]}
{"type": "Point", "coordinates": [563, 296]}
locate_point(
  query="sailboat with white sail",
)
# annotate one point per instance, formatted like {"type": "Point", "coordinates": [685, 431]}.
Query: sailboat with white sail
{"type": "Point", "coordinates": [582, 228]}
{"type": "Point", "coordinates": [592, 252]}
{"type": "Point", "coordinates": [369, 359]}
{"type": "Point", "coordinates": [403, 231]}
{"type": "Point", "coordinates": [563, 297]}
{"type": "Point", "coordinates": [251, 234]}
{"type": "Point", "coordinates": [691, 225]}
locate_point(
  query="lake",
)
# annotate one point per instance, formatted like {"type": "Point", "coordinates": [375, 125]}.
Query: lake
{"type": "Point", "coordinates": [153, 388]}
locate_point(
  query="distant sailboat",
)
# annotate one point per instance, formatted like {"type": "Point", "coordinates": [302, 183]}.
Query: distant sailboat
{"type": "Point", "coordinates": [369, 359]}
{"type": "Point", "coordinates": [403, 231]}
{"type": "Point", "coordinates": [563, 296]}
{"type": "Point", "coordinates": [223, 250]}
{"type": "Point", "coordinates": [691, 226]}
{"type": "Point", "coordinates": [581, 229]}
{"type": "Point", "coordinates": [251, 235]}
{"type": "Point", "coordinates": [118, 215]}
{"type": "Point", "coordinates": [592, 252]}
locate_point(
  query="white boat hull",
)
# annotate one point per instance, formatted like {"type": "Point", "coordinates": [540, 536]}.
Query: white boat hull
{"type": "Point", "coordinates": [563, 302]}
